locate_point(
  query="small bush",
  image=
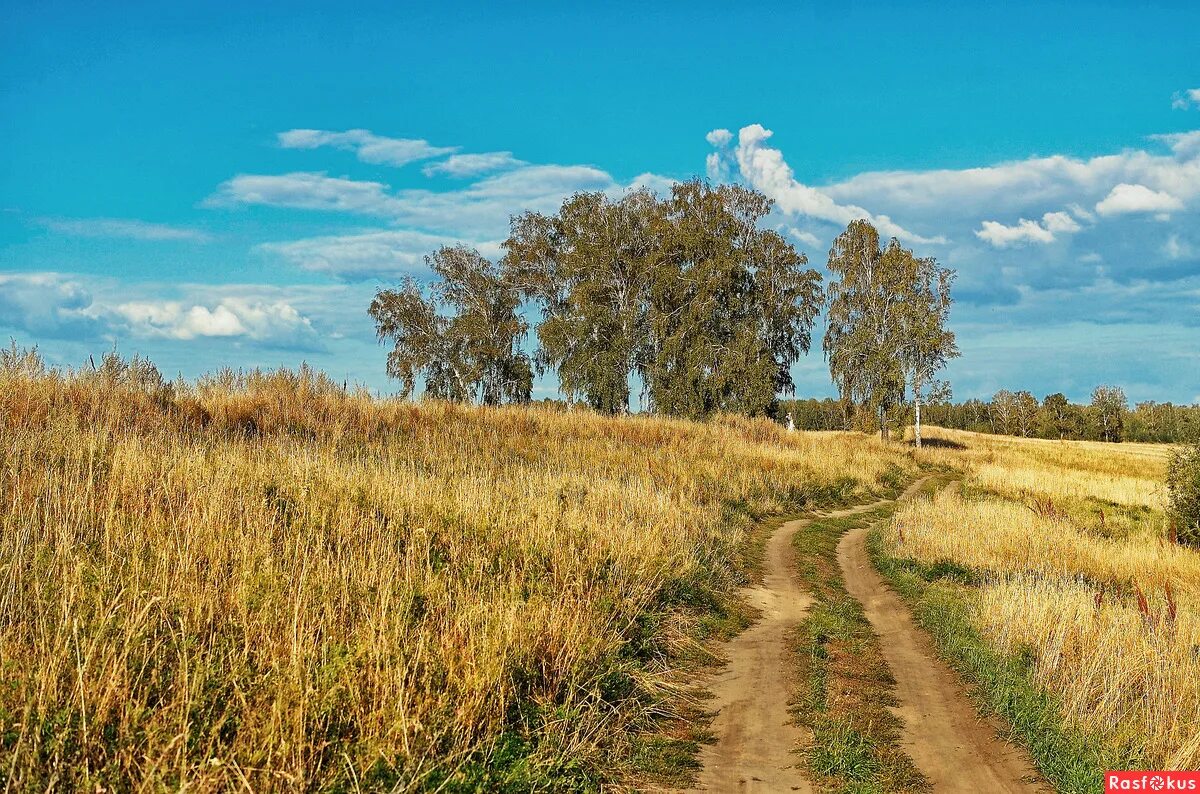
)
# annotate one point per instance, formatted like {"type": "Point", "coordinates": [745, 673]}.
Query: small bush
{"type": "Point", "coordinates": [1183, 481]}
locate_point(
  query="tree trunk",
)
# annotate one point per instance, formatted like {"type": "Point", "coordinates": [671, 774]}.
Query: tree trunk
{"type": "Point", "coordinates": [917, 424]}
{"type": "Point", "coordinates": [883, 428]}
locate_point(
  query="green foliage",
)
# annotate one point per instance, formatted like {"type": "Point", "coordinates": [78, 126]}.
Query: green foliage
{"type": "Point", "coordinates": [590, 269]}
{"type": "Point", "coordinates": [686, 292]}
{"type": "Point", "coordinates": [1108, 410]}
{"type": "Point", "coordinates": [1183, 483]}
{"type": "Point", "coordinates": [886, 329]}
{"type": "Point", "coordinates": [471, 352]}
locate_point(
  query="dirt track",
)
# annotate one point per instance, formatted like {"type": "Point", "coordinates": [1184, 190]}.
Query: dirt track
{"type": "Point", "coordinates": [943, 733]}
{"type": "Point", "coordinates": [755, 734]}
{"type": "Point", "coordinates": [756, 738]}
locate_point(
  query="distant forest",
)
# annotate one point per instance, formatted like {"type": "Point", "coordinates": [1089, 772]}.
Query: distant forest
{"type": "Point", "coordinates": [1108, 417]}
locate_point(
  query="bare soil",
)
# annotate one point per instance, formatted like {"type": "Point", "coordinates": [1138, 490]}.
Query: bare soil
{"type": "Point", "coordinates": [944, 734]}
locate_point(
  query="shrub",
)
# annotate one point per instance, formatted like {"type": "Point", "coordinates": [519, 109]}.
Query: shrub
{"type": "Point", "coordinates": [1183, 482]}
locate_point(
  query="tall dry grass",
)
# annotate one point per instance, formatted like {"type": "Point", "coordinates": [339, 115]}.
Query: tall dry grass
{"type": "Point", "coordinates": [259, 582]}
{"type": "Point", "coordinates": [1108, 614]}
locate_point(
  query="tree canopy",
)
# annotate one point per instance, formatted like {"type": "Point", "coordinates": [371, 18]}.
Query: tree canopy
{"type": "Point", "coordinates": [887, 313]}
{"type": "Point", "coordinates": [464, 339]}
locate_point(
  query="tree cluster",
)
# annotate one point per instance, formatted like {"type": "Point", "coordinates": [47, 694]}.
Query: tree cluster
{"type": "Point", "coordinates": [684, 295]}
{"type": "Point", "coordinates": [1107, 417]}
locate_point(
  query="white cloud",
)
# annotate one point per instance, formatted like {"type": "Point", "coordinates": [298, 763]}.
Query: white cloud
{"type": "Point", "coordinates": [367, 146]}
{"type": "Point", "coordinates": [230, 317]}
{"type": "Point", "coordinates": [1017, 186]}
{"type": "Point", "coordinates": [478, 211]}
{"type": "Point", "coordinates": [1060, 222]}
{"type": "Point", "coordinates": [126, 228]}
{"type": "Point", "coordinates": [1125, 198]}
{"type": "Point", "coordinates": [1025, 231]}
{"type": "Point", "coordinates": [719, 138]}
{"type": "Point", "coordinates": [1177, 248]}
{"type": "Point", "coordinates": [306, 190]}
{"type": "Point", "coordinates": [60, 306]}
{"type": "Point", "coordinates": [47, 304]}
{"type": "Point", "coordinates": [997, 234]}
{"type": "Point", "coordinates": [808, 238]}
{"type": "Point", "coordinates": [765, 170]}
{"type": "Point", "coordinates": [460, 165]}
{"type": "Point", "coordinates": [1185, 99]}
{"type": "Point", "coordinates": [371, 254]}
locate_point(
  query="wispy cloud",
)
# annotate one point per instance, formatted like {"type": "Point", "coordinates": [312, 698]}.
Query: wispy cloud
{"type": "Point", "coordinates": [478, 211]}
{"type": "Point", "coordinates": [386, 254]}
{"type": "Point", "coordinates": [125, 228]}
{"type": "Point", "coordinates": [1182, 100]}
{"type": "Point", "coordinates": [366, 145]}
{"type": "Point", "coordinates": [306, 190]}
{"type": "Point", "coordinates": [462, 165]}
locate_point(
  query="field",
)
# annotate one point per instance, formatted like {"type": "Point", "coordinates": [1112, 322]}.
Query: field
{"type": "Point", "coordinates": [1058, 555]}
{"type": "Point", "coordinates": [261, 582]}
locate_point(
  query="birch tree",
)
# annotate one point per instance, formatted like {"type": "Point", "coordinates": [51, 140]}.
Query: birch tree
{"type": "Point", "coordinates": [463, 339]}
{"type": "Point", "coordinates": [926, 344]}
{"type": "Point", "coordinates": [887, 312]}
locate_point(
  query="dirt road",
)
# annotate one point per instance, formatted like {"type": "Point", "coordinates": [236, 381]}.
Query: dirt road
{"type": "Point", "coordinates": [943, 733]}
{"type": "Point", "coordinates": [755, 734]}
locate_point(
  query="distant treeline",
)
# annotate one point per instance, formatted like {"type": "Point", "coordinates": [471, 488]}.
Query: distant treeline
{"type": "Point", "coordinates": [1107, 417]}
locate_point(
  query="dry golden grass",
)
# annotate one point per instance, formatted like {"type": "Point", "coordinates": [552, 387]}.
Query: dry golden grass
{"type": "Point", "coordinates": [262, 583]}
{"type": "Point", "coordinates": [1071, 537]}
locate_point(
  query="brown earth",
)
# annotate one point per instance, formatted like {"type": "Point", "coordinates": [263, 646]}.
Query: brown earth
{"type": "Point", "coordinates": [955, 748]}
{"type": "Point", "coordinates": [756, 737]}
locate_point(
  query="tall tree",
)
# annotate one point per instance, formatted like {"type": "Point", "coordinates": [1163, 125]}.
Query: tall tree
{"type": "Point", "coordinates": [589, 268]}
{"type": "Point", "coordinates": [731, 306]}
{"type": "Point", "coordinates": [886, 320]}
{"type": "Point", "coordinates": [1058, 412]}
{"type": "Point", "coordinates": [463, 339]}
{"type": "Point", "coordinates": [1109, 406]}
{"type": "Point", "coordinates": [926, 345]}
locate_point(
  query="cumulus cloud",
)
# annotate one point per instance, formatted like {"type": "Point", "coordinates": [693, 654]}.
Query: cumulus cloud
{"type": "Point", "coordinates": [230, 317]}
{"type": "Point", "coordinates": [1025, 231]}
{"type": "Point", "coordinates": [719, 138]}
{"type": "Point", "coordinates": [461, 165]}
{"type": "Point", "coordinates": [371, 254]}
{"type": "Point", "coordinates": [1125, 199]}
{"type": "Point", "coordinates": [765, 170]}
{"type": "Point", "coordinates": [1186, 99]}
{"type": "Point", "coordinates": [47, 305]}
{"type": "Point", "coordinates": [61, 306]}
{"type": "Point", "coordinates": [367, 146]}
{"type": "Point", "coordinates": [125, 228]}
{"type": "Point", "coordinates": [1015, 186]}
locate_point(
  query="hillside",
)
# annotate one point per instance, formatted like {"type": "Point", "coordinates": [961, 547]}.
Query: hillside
{"type": "Point", "coordinates": [260, 580]}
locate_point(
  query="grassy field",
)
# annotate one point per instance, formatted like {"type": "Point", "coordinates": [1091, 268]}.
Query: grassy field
{"type": "Point", "coordinates": [1049, 576]}
{"type": "Point", "coordinates": [260, 582]}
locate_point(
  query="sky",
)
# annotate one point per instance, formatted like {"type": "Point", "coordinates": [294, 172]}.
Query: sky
{"type": "Point", "coordinates": [228, 184]}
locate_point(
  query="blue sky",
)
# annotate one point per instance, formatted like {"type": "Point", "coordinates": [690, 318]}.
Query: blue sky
{"type": "Point", "coordinates": [227, 184]}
